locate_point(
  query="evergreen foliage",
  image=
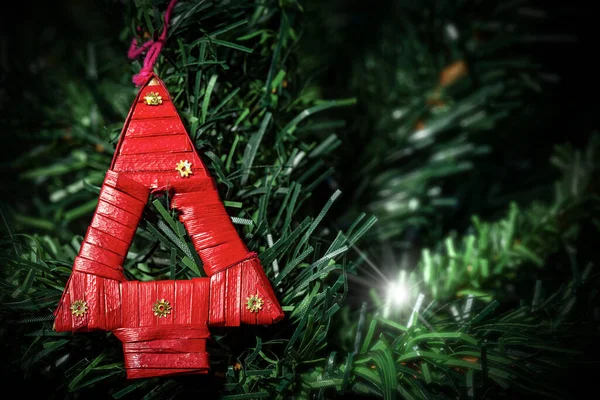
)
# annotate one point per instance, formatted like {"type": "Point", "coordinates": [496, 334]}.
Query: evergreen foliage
{"type": "Point", "coordinates": [231, 70]}
{"type": "Point", "coordinates": [495, 292]}
{"type": "Point", "coordinates": [458, 107]}
{"type": "Point", "coordinates": [457, 337]}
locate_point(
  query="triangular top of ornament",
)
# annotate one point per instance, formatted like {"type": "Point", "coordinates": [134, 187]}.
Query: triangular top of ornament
{"type": "Point", "coordinates": [154, 139]}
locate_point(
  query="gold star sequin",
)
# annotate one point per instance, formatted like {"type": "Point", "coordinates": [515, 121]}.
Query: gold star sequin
{"type": "Point", "coordinates": [184, 168]}
{"type": "Point", "coordinates": [153, 99]}
{"type": "Point", "coordinates": [161, 308]}
{"type": "Point", "coordinates": [254, 303]}
{"type": "Point", "coordinates": [79, 308]}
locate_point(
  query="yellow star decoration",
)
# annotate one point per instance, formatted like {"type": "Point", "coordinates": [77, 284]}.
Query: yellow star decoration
{"type": "Point", "coordinates": [161, 308]}
{"type": "Point", "coordinates": [79, 308]}
{"type": "Point", "coordinates": [153, 99]}
{"type": "Point", "coordinates": [254, 303]}
{"type": "Point", "coordinates": [184, 168]}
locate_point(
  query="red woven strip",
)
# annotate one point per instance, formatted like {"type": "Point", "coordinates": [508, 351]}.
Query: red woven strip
{"type": "Point", "coordinates": [196, 184]}
{"type": "Point", "coordinates": [102, 239]}
{"type": "Point", "coordinates": [263, 281]}
{"type": "Point", "coordinates": [205, 240]}
{"type": "Point", "coordinates": [164, 350]}
{"type": "Point", "coordinates": [94, 286]}
{"type": "Point", "coordinates": [164, 361]}
{"type": "Point", "coordinates": [166, 346]}
{"type": "Point", "coordinates": [63, 322]}
{"type": "Point", "coordinates": [233, 299]}
{"type": "Point", "coordinates": [213, 238]}
{"type": "Point", "coordinates": [218, 291]}
{"type": "Point", "coordinates": [147, 296]}
{"type": "Point", "coordinates": [191, 203]}
{"type": "Point", "coordinates": [144, 111]}
{"type": "Point", "coordinates": [112, 304]}
{"type": "Point", "coordinates": [113, 228]}
{"type": "Point", "coordinates": [113, 212]}
{"type": "Point", "coordinates": [166, 290]}
{"type": "Point", "coordinates": [163, 181]}
{"type": "Point", "coordinates": [255, 282]}
{"type": "Point", "coordinates": [152, 127]}
{"type": "Point", "coordinates": [158, 162]}
{"type": "Point", "coordinates": [221, 257]}
{"type": "Point", "coordinates": [154, 180]}
{"type": "Point", "coordinates": [78, 292]}
{"type": "Point", "coordinates": [249, 288]}
{"type": "Point", "coordinates": [183, 299]}
{"type": "Point", "coordinates": [121, 200]}
{"type": "Point", "coordinates": [210, 229]}
{"type": "Point", "coordinates": [273, 312]}
{"type": "Point", "coordinates": [156, 144]}
{"type": "Point", "coordinates": [101, 255]}
{"type": "Point", "coordinates": [86, 266]}
{"type": "Point", "coordinates": [207, 216]}
{"type": "Point", "coordinates": [188, 203]}
{"type": "Point", "coordinates": [128, 335]}
{"type": "Point", "coordinates": [131, 306]}
{"type": "Point", "coordinates": [153, 373]}
{"type": "Point", "coordinates": [200, 300]}
{"type": "Point", "coordinates": [126, 185]}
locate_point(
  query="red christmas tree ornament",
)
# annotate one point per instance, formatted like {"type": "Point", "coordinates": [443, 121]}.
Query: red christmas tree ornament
{"type": "Point", "coordinates": [163, 324]}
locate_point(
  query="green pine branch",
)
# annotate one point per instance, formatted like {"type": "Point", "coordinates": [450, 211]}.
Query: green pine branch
{"type": "Point", "coordinates": [479, 262]}
{"type": "Point", "coordinates": [440, 93]}
{"type": "Point", "coordinates": [269, 139]}
{"type": "Point", "coordinates": [448, 330]}
{"type": "Point", "coordinates": [231, 70]}
{"type": "Point", "coordinates": [480, 352]}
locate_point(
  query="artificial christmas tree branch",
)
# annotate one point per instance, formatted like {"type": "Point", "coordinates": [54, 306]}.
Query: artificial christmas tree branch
{"type": "Point", "coordinates": [219, 84]}
{"type": "Point", "coordinates": [451, 94]}
{"type": "Point", "coordinates": [453, 335]}
{"type": "Point", "coordinates": [427, 89]}
{"type": "Point", "coordinates": [478, 353]}
{"type": "Point", "coordinates": [495, 251]}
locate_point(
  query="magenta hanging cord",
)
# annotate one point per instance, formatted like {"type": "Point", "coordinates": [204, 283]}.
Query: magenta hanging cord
{"type": "Point", "coordinates": [152, 49]}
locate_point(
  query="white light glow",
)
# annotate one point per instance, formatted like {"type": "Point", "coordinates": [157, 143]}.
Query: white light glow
{"type": "Point", "coordinates": [413, 204]}
{"type": "Point", "coordinates": [452, 31]}
{"type": "Point", "coordinates": [398, 293]}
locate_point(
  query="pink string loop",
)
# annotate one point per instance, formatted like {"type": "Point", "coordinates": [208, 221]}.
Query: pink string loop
{"type": "Point", "coordinates": [152, 49]}
{"type": "Point", "coordinates": [134, 51]}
